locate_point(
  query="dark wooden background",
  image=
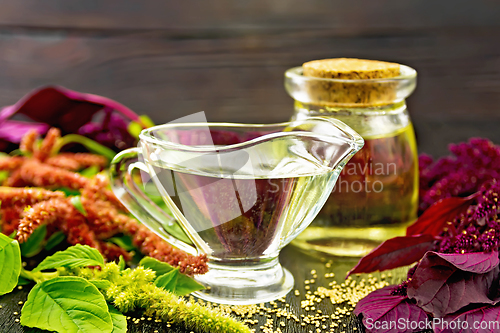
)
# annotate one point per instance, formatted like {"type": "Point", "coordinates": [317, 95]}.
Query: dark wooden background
{"type": "Point", "coordinates": [227, 57]}
{"type": "Point", "coordinates": [168, 59]}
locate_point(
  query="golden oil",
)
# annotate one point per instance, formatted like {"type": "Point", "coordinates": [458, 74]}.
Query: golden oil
{"type": "Point", "coordinates": [375, 198]}
{"type": "Point", "coordinates": [376, 195]}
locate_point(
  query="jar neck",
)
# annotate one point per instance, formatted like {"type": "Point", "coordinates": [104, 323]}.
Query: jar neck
{"type": "Point", "coordinates": [371, 122]}
{"type": "Point", "coordinates": [324, 110]}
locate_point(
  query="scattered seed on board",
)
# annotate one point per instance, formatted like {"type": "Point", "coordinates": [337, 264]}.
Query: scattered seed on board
{"type": "Point", "coordinates": [343, 297]}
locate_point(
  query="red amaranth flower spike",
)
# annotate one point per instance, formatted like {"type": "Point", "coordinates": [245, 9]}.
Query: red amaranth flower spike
{"type": "Point", "coordinates": [77, 161]}
{"type": "Point", "coordinates": [27, 145]}
{"type": "Point", "coordinates": [43, 175]}
{"type": "Point", "coordinates": [44, 212]}
{"type": "Point", "coordinates": [9, 218]}
{"type": "Point", "coordinates": [14, 196]}
{"type": "Point", "coordinates": [105, 220]}
{"type": "Point", "coordinates": [48, 144]}
{"type": "Point", "coordinates": [11, 163]}
{"type": "Point", "coordinates": [15, 180]}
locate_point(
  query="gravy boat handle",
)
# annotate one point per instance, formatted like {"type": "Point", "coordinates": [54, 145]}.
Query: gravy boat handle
{"type": "Point", "coordinates": [139, 204]}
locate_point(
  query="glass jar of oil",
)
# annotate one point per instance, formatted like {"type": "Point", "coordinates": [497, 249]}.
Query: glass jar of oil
{"type": "Point", "coordinates": [376, 195]}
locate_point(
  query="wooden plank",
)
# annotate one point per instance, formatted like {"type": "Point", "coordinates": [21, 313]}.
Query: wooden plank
{"type": "Point", "coordinates": [241, 78]}
{"type": "Point", "coordinates": [347, 17]}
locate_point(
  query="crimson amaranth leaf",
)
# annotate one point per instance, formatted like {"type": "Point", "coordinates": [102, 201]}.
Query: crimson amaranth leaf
{"type": "Point", "coordinates": [63, 108]}
{"type": "Point", "coordinates": [383, 312]}
{"type": "Point", "coordinates": [478, 262]}
{"type": "Point", "coordinates": [485, 319]}
{"type": "Point", "coordinates": [434, 219]}
{"type": "Point", "coordinates": [72, 112]}
{"type": "Point", "coordinates": [395, 252]}
{"type": "Point", "coordinates": [440, 287]}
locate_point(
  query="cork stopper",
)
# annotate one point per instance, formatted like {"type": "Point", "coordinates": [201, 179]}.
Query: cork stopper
{"type": "Point", "coordinates": [355, 93]}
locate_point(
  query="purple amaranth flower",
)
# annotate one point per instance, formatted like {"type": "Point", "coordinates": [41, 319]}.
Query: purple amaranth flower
{"type": "Point", "coordinates": [401, 289]}
{"type": "Point", "coordinates": [472, 164]}
{"type": "Point", "coordinates": [478, 229]}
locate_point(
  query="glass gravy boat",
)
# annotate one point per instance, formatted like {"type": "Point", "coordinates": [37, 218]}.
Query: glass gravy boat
{"type": "Point", "coordinates": [240, 192]}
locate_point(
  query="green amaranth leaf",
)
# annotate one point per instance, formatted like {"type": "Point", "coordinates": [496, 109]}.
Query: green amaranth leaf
{"type": "Point", "coordinates": [76, 201]}
{"type": "Point", "coordinates": [10, 264]}
{"type": "Point", "coordinates": [55, 239]}
{"type": "Point", "coordinates": [67, 304]}
{"type": "Point", "coordinates": [68, 191]}
{"type": "Point", "coordinates": [119, 320]}
{"type": "Point", "coordinates": [3, 176]}
{"type": "Point", "coordinates": [90, 172]}
{"type": "Point", "coordinates": [74, 256]}
{"type": "Point", "coordinates": [146, 121]}
{"type": "Point", "coordinates": [121, 263]}
{"type": "Point", "coordinates": [101, 284]}
{"type": "Point", "coordinates": [134, 129]}
{"type": "Point", "coordinates": [16, 152]}
{"type": "Point", "coordinates": [125, 242]}
{"type": "Point", "coordinates": [178, 283]}
{"type": "Point", "coordinates": [34, 244]}
{"type": "Point", "coordinates": [159, 267]}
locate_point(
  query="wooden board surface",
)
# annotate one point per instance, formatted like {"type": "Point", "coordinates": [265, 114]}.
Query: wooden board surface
{"type": "Point", "coordinates": [354, 16]}
{"type": "Point", "coordinates": [227, 58]}
{"type": "Point", "coordinates": [241, 79]}
{"type": "Point", "coordinates": [300, 265]}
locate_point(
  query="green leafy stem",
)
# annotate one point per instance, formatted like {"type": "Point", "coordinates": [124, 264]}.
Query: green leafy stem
{"type": "Point", "coordinates": [90, 144]}
{"type": "Point", "coordinates": [76, 291]}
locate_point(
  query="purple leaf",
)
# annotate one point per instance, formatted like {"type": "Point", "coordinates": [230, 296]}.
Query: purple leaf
{"type": "Point", "coordinates": [485, 319]}
{"type": "Point", "coordinates": [378, 303]}
{"type": "Point", "coordinates": [13, 130]}
{"type": "Point", "coordinates": [478, 262]}
{"type": "Point", "coordinates": [434, 219]}
{"type": "Point", "coordinates": [383, 312]}
{"type": "Point", "coordinates": [395, 252]}
{"type": "Point", "coordinates": [58, 106]}
{"type": "Point", "coordinates": [70, 110]}
{"type": "Point", "coordinates": [440, 288]}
